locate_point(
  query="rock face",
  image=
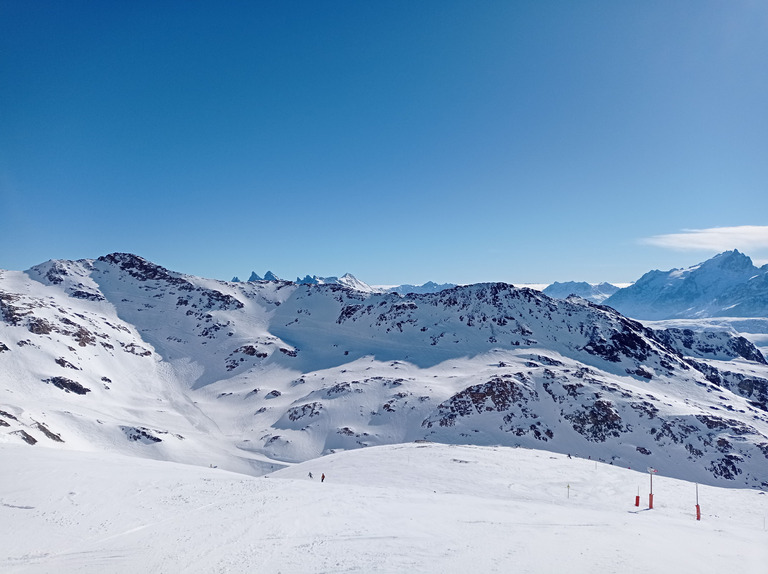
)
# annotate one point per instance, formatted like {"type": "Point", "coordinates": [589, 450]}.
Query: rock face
{"type": "Point", "coordinates": [711, 345]}
{"type": "Point", "coordinates": [157, 363]}
{"type": "Point", "coordinates": [728, 285]}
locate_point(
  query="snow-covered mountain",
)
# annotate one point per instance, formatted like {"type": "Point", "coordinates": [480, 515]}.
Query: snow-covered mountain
{"type": "Point", "coordinates": [597, 293]}
{"type": "Point", "coordinates": [123, 355]}
{"type": "Point", "coordinates": [268, 276]}
{"type": "Point", "coordinates": [728, 285]}
{"type": "Point", "coordinates": [428, 287]}
{"type": "Point", "coordinates": [347, 280]}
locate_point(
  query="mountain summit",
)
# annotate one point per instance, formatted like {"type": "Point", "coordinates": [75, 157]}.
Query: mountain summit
{"type": "Point", "coordinates": [728, 285]}
{"type": "Point", "coordinates": [595, 293]}
{"type": "Point", "coordinates": [123, 355]}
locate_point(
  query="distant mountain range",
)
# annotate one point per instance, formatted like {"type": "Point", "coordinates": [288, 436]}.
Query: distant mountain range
{"type": "Point", "coordinates": [349, 280]}
{"type": "Point", "coordinates": [727, 285]}
{"type": "Point", "coordinates": [595, 293]}
{"type": "Point", "coordinates": [121, 354]}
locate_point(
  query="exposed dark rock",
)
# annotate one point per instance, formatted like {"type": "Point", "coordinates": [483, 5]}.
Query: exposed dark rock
{"type": "Point", "coordinates": [141, 269]}
{"type": "Point", "coordinates": [750, 387]}
{"type": "Point", "coordinates": [39, 326]}
{"type": "Point", "coordinates": [135, 349]}
{"type": "Point", "coordinates": [56, 273]}
{"type": "Point", "coordinates": [26, 437]}
{"type": "Point", "coordinates": [140, 434]}
{"type": "Point", "coordinates": [88, 295]}
{"type": "Point", "coordinates": [348, 312]}
{"type": "Point", "coordinates": [702, 344]}
{"type": "Point", "coordinates": [308, 410]}
{"type": "Point", "coordinates": [62, 362]}
{"type": "Point", "coordinates": [47, 432]}
{"type": "Point", "coordinates": [8, 415]}
{"type": "Point", "coordinates": [726, 467]}
{"type": "Point", "coordinates": [84, 337]}
{"type": "Point", "coordinates": [10, 313]}
{"type": "Point", "coordinates": [67, 385]}
{"type": "Point", "coordinates": [627, 343]}
{"type": "Point", "coordinates": [497, 395]}
{"type": "Point", "coordinates": [337, 390]}
{"type": "Point", "coordinates": [598, 421]}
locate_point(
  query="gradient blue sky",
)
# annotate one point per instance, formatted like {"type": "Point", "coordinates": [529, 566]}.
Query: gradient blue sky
{"type": "Point", "coordinates": [401, 141]}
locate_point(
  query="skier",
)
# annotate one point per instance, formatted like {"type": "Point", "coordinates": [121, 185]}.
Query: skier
{"type": "Point", "coordinates": [310, 475]}
{"type": "Point", "coordinates": [322, 478]}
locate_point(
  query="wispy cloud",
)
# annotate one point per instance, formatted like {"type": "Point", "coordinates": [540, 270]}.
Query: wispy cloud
{"type": "Point", "coordinates": [744, 238]}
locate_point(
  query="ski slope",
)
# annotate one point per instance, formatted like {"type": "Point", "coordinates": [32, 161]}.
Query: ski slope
{"type": "Point", "coordinates": [416, 507]}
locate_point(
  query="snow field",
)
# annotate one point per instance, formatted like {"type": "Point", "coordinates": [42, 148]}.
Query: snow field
{"type": "Point", "coordinates": [417, 507]}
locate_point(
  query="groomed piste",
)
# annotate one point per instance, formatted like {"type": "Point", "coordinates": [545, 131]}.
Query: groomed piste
{"type": "Point", "coordinates": [416, 507]}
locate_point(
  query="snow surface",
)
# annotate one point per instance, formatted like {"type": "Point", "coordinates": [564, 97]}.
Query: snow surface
{"type": "Point", "coordinates": [401, 508]}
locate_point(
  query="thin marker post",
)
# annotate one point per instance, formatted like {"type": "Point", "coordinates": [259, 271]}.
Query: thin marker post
{"type": "Point", "coordinates": [651, 472]}
{"type": "Point", "coordinates": [698, 508]}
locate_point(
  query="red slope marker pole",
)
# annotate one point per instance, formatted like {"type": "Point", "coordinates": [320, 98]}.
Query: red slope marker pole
{"type": "Point", "coordinates": [698, 508]}
{"type": "Point", "coordinates": [650, 496]}
{"type": "Point", "coordinates": [637, 498]}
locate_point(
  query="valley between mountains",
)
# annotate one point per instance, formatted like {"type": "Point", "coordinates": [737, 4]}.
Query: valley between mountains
{"type": "Point", "coordinates": [121, 355]}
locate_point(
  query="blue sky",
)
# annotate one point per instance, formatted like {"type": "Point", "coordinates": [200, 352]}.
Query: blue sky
{"type": "Point", "coordinates": [401, 141]}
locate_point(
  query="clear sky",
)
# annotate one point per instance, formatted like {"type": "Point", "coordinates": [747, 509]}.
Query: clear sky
{"type": "Point", "coordinates": [401, 141]}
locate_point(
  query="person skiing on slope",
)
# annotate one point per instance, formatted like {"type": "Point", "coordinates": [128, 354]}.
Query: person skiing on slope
{"type": "Point", "coordinates": [322, 478]}
{"type": "Point", "coordinates": [310, 475]}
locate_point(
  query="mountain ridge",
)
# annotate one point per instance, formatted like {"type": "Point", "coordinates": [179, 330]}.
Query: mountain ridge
{"type": "Point", "coordinates": [727, 285]}
{"type": "Point", "coordinates": [123, 354]}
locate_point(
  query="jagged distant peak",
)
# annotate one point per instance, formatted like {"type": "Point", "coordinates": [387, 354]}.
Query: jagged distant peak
{"type": "Point", "coordinates": [597, 293]}
{"type": "Point", "coordinates": [347, 280]}
{"type": "Point", "coordinates": [727, 284]}
{"type": "Point", "coordinates": [268, 276]}
{"type": "Point", "coordinates": [313, 280]}
{"type": "Point", "coordinates": [353, 282]}
{"type": "Point", "coordinates": [732, 260]}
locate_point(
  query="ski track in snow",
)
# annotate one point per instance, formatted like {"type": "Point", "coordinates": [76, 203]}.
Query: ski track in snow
{"type": "Point", "coordinates": [168, 367]}
{"type": "Point", "coordinates": [414, 508]}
